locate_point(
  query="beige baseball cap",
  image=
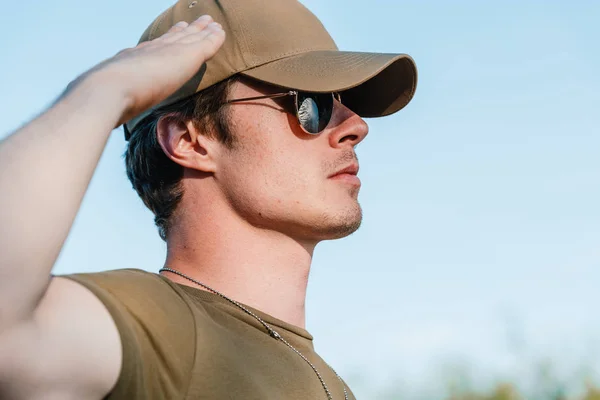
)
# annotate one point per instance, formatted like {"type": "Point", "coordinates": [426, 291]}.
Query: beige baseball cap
{"type": "Point", "coordinates": [282, 43]}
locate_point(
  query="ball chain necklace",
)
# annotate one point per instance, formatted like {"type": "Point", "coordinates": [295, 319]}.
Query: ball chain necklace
{"type": "Point", "coordinates": [272, 332]}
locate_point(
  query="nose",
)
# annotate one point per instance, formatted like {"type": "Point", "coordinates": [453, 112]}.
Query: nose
{"type": "Point", "coordinates": [346, 127]}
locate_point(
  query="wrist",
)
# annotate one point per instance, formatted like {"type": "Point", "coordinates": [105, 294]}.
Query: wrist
{"type": "Point", "coordinates": [105, 97]}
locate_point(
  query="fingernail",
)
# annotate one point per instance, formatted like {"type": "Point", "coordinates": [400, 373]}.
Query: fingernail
{"type": "Point", "coordinates": [204, 18]}
{"type": "Point", "coordinates": [215, 25]}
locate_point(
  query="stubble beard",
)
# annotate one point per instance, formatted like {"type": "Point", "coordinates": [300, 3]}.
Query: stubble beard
{"type": "Point", "coordinates": [341, 225]}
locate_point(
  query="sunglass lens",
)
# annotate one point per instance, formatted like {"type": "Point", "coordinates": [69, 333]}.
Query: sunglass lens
{"type": "Point", "coordinates": [314, 111]}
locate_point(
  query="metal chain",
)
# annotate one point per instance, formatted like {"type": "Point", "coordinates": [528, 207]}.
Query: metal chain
{"type": "Point", "coordinates": [272, 332]}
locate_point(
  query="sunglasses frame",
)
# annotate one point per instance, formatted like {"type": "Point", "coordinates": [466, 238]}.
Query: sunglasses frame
{"type": "Point", "coordinates": [295, 93]}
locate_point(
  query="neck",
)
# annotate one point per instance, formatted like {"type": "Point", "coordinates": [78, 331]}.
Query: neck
{"type": "Point", "coordinates": [261, 268]}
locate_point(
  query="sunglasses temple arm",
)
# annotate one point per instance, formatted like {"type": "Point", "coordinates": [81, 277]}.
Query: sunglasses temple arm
{"type": "Point", "coordinates": [272, 96]}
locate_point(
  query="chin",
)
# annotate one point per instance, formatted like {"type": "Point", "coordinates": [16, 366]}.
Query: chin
{"type": "Point", "coordinates": [331, 227]}
{"type": "Point", "coordinates": [311, 225]}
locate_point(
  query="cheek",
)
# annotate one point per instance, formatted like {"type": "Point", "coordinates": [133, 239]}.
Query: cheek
{"type": "Point", "coordinates": [269, 157]}
{"type": "Point", "coordinates": [270, 174]}
{"type": "Point", "coordinates": [271, 168]}
{"type": "Point", "coordinates": [268, 185]}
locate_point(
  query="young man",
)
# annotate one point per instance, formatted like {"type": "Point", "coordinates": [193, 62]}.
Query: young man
{"type": "Point", "coordinates": [241, 141]}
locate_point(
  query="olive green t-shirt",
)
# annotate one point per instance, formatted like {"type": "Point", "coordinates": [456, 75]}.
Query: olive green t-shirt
{"type": "Point", "coordinates": [184, 343]}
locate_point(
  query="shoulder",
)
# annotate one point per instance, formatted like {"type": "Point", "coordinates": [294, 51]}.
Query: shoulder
{"type": "Point", "coordinates": [147, 297]}
{"type": "Point", "coordinates": [118, 279]}
{"type": "Point", "coordinates": [156, 326]}
{"type": "Point", "coordinates": [140, 292]}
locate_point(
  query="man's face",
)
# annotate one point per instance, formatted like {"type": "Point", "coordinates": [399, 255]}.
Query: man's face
{"type": "Point", "coordinates": [281, 178]}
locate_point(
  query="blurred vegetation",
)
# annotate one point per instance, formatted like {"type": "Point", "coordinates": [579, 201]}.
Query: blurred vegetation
{"type": "Point", "coordinates": [507, 391]}
{"type": "Point", "coordinates": [542, 382]}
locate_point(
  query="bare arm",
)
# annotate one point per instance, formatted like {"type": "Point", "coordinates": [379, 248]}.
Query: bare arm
{"type": "Point", "coordinates": [45, 169]}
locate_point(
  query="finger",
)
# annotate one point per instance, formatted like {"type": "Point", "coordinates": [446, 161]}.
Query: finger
{"type": "Point", "coordinates": [216, 40]}
{"type": "Point", "coordinates": [207, 42]}
{"type": "Point", "coordinates": [213, 29]}
{"type": "Point", "coordinates": [196, 26]}
{"type": "Point", "coordinates": [212, 44]}
{"type": "Point", "coordinates": [178, 27]}
{"type": "Point", "coordinates": [201, 23]}
{"type": "Point", "coordinates": [199, 36]}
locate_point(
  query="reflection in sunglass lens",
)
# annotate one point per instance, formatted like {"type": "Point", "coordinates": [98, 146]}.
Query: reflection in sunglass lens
{"type": "Point", "coordinates": [314, 111]}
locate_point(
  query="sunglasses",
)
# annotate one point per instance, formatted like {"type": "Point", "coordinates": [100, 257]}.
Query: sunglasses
{"type": "Point", "coordinates": [313, 110]}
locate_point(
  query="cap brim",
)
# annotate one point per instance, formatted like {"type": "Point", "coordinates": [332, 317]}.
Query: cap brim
{"type": "Point", "coordinates": [371, 84]}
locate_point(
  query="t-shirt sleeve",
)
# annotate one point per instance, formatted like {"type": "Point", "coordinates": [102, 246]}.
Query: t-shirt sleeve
{"type": "Point", "coordinates": [157, 332]}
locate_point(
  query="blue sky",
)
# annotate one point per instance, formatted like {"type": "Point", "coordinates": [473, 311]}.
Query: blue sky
{"type": "Point", "coordinates": [481, 238]}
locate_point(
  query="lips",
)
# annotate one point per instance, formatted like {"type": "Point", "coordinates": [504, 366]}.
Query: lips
{"type": "Point", "coordinates": [352, 169]}
{"type": "Point", "coordinates": [347, 176]}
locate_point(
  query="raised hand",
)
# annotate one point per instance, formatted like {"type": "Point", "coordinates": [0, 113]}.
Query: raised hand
{"type": "Point", "coordinates": [153, 70]}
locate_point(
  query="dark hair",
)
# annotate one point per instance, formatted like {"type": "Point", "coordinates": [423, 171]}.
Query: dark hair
{"type": "Point", "coordinates": [154, 176]}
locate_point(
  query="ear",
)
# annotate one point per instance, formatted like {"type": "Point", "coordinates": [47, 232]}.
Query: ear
{"type": "Point", "coordinates": [183, 144]}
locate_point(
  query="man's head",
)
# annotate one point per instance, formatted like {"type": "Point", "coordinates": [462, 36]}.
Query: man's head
{"type": "Point", "coordinates": [267, 168]}
{"type": "Point", "coordinates": [257, 156]}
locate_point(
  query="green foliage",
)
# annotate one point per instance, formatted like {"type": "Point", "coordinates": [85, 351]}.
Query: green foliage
{"type": "Point", "coordinates": [503, 391]}
{"type": "Point", "coordinates": [592, 393]}
{"type": "Point", "coordinates": [547, 386]}
{"type": "Point", "coordinates": [506, 391]}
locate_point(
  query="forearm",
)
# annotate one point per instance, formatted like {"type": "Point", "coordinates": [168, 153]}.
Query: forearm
{"type": "Point", "coordinates": [45, 169]}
